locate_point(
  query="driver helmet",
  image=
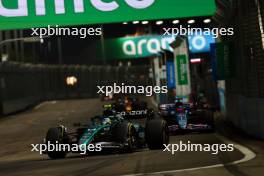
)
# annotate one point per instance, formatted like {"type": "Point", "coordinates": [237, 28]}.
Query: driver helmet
{"type": "Point", "coordinates": [179, 102]}
{"type": "Point", "coordinates": [106, 121]}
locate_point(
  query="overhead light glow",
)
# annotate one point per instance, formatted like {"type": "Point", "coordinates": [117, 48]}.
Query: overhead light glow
{"type": "Point", "coordinates": [125, 23]}
{"type": "Point", "coordinates": [191, 21]}
{"type": "Point", "coordinates": [135, 22]}
{"type": "Point", "coordinates": [145, 22]}
{"type": "Point", "coordinates": [71, 80]}
{"type": "Point", "coordinates": [207, 20]}
{"type": "Point", "coordinates": [196, 60]}
{"type": "Point", "coordinates": [159, 22]}
{"type": "Point", "coordinates": [175, 21]}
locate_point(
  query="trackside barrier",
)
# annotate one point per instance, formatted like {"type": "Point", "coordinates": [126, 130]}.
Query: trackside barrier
{"type": "Point", "coordinates": [23, 85]}
{"type": "Point", "coordinates": [247, 114]}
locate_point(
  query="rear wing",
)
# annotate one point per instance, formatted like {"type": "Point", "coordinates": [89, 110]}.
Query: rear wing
{"type": "Point", "coordinates": [166, 106]}
{"type": "Point", "coordinates": [172, 105]}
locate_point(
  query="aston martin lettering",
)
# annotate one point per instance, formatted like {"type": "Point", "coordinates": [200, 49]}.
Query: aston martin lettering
{"type": "Point", "coordinates": [132, 113]}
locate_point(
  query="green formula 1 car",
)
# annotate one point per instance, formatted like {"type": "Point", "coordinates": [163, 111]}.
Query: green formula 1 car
{"type": "Point", "coordinates": [107, 133]}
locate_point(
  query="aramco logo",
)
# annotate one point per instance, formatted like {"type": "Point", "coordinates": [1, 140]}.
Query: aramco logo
{"type": "Point", "coordinates": [147, 45]}
{"type": "Point", "coordinates": [79, 6]}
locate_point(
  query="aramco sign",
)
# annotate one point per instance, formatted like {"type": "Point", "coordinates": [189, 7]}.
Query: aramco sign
{"type": "Point", "coordinates": [146, 46]}
{"type": "Point", "coordinates": [15, 14]}
{"type": "Point", "coordinates": [78, 6]}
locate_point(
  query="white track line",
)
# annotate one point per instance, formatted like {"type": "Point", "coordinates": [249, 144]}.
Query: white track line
{"type": "Point", "coordinates": [248, 155]}
{"type": "Point", "coordinates": [44, 103]}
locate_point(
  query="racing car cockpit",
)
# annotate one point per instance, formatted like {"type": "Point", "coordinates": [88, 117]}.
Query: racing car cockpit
{"type": "Point", "coordinates": [109, 110]}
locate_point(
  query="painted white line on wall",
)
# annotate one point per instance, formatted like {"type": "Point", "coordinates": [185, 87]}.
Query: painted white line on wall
{"type": "Point", "coordinates": [248, 155]}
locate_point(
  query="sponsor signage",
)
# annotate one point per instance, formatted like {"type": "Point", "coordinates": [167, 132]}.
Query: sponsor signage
{"type": "Point", "coordinates": [146, 46]}
{"type": "Point", "coordinates": [200, 43]}
{"type": "Point", "coordinates": [171, 82]}
{"type": "Point", "coordinates": [15, 14]}
{"type": "Point", "coordinates": [182, 69]}
{"type": "Point", "coordinates": [136, 47]}
{"type": "Point", "coordinates": [221, 60]}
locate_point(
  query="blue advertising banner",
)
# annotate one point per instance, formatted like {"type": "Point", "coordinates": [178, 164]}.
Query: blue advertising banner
{"type": "Point", "coordinates": [171, 81]}
{"type": "Point", "coordinates": [200, 43]}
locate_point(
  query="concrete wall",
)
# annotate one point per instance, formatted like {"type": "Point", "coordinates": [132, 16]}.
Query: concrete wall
{"type": "Point", "coordinates": [247, 114]}
{"type": "Point", "coordinates": [23, 85]}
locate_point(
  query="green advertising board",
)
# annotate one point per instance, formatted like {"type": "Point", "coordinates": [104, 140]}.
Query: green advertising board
{"type": "Point", "coordinates": [16, 14]}
{"type": "Point", "coordinates": [182, 69]}
{"type": "Point", "coordinates": [223, 60]}
{"type": "Point", "coordinates": [135, 47]}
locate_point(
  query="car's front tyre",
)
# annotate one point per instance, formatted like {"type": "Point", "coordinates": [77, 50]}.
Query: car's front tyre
{"type": "Point", "coordinates": [125, 133]}
{"type": "Point", "coordinates": [56, 136]}
{"type": "Point", "coordinates": [156, 132]}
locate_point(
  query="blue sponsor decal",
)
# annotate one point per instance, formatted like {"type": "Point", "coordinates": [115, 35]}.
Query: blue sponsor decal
{"type": "Point", "coordinates": [182, 120]}
{"type": "Point", "coordinates": [171, 82]}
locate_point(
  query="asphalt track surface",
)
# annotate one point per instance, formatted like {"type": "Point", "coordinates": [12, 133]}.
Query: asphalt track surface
{"type": "Point", "coordinates": [20, 130]}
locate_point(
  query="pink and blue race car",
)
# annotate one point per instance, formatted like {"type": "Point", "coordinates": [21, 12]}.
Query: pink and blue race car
{"type": "Point", "coordinates": [187, 117]}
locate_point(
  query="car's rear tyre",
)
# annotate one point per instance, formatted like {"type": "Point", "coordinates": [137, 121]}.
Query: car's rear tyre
{"type": "Point", "coordinates": [156, 132]}
{"type": "Point", "coordinates": [125, 133]}
{"type": "Point", "coordinates": [56, 136]}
